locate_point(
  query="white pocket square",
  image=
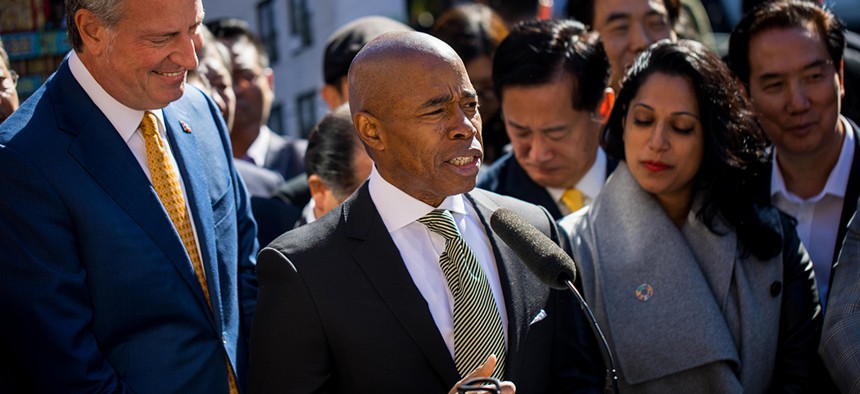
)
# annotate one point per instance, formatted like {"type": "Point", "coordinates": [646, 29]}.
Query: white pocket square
{"type": "Point", "coordinates": [540, 316]}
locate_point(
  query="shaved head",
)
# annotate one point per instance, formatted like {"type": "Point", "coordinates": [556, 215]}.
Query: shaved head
{"type": "Point", "coordinates": [377, 72]}
{"type": "Point", "coordinates": [417, 113]}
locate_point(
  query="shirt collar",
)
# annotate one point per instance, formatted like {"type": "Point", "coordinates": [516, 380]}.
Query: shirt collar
{"type": "Point", "coordinates": [398, 209]}
{"type": "Point", "coordinates": [124, 119]}
{"type": "Point", "coordinates": [591, 182]}
{"type": "Point", "coordinates": [258, 149]}
{"type": "Point", "coordinates": [837, 181]}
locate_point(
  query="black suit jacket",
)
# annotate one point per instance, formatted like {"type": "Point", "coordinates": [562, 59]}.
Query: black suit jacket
{"type": "Point", "coordinates": [852, 192]}
{"type": "Point", "coordinates": [508, 178]}
{"type": "Point", "coordinates": [338, 312]}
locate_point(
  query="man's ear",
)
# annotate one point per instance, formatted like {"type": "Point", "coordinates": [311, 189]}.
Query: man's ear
{"type": "Point", "coordinates": [270, 78]}
{"type": "Point", "coordinates": [369, 129]}
{"type": "Point", "coordinates": [317, 188]}
{"type": "Point", "coordinates": [606, 104]}
{"type": "Point", "coordinates": [331, 96]}
{"type": "Point", "coordinates": [94, 33]}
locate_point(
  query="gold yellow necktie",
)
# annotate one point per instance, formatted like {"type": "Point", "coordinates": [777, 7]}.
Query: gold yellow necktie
{"type": "Point", "coordinates": [573, 199]}
{"type": "Point", "coordinates": [165, 180]}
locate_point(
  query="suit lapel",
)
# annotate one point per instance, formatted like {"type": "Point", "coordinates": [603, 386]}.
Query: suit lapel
{"type": "Point", "coordinates": [852, 193]}
{"type": "Point", "coordinates": [106, 157]}
{"type": "Point", "coordinates": [383, 266]}
{"type": "Point", "coordinates": [187, 154]}
{"type": "Point", "coordinates": [516, 288]}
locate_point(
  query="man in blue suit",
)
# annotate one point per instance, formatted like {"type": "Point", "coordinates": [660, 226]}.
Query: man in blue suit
{"type": "Point", "coordinates": [100, 167]}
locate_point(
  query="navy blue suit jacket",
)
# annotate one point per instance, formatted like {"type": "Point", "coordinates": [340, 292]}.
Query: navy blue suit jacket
{"type": "Point", "coordinates": [506, 177]}
{"type": "Point", "coordinates": [98, 291]}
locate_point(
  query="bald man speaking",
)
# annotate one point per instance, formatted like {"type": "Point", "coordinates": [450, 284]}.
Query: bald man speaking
{"type": "Point", "coordinates": [404, 287]}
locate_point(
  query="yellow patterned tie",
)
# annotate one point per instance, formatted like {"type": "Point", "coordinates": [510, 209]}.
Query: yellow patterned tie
{"type": "Point", "coordinates": [165, 180]}
{"type": "Point", "coordinates": [572, 199]}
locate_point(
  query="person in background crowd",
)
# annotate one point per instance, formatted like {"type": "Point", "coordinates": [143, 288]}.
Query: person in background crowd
{"type": "Point", "coordinates": [680, 260]}
{"type": "Point", "coordinates": [626, 28]}
{"type": "Point", "coordinates": [254, 85]}
{"type": "Point", "coordinates": [216, 66]}
{"type": "Point", "coordinates": [788, 55]}
{"type": "Point", "coordinates": [336, 162]}
{"type": "Point", "coordinates": [341, 48]}
{"type": "Point", "coordinates": [128, 250]}
{"type": "Point", "coordinates": [551, 78]}
{"type": "Point", "coordinates": [404, 286]}
{"type": "Point", "coordinates": [475, 31]}
{"type": "Point", "coordinates": [8, 83]}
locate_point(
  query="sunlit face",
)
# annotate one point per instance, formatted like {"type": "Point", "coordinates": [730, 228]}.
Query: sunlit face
{"type": "Point", "coordinates": [222, 85]}
{"type": "Point", "coordinates": [481, 74]}
{"type": "Point", "coordinates": [432, 131]}
{"type": "Point", "coordinates": [553, 142]}
{"type": "Point", "coordinates": [146, 56]}
{"type": "Point", "coordinates": [663, 137]}
{"type": "Point", "coordinates": [796, 90]}
{"type": "Point", "coordinates": [8, 94]}
{"type": "Point", "coordinates": [252, 85]}
{"type": "Point", "coordinates": [626, 28]}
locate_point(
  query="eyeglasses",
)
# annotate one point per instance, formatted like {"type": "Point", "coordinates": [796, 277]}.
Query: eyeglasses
{"type": "Point", "coordinates": [9, 83]}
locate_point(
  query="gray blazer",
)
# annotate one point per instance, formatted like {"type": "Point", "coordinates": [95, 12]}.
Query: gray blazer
{"type": "Point", "coordinates": [840, 340]}
{"type": "Point", "coordinates": [681, 309]}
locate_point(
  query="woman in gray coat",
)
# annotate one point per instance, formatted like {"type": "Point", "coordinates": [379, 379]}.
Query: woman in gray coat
{"type": "Point", "coordinates": [697, 286]}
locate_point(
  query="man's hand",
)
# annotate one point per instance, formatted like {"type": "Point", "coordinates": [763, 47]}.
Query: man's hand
{"type": "Point", "coordinates": [483, 371]}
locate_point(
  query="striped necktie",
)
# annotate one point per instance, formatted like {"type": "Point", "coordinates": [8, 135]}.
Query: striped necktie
{"type": "Point", "coordinates": [478, 328]}
{"type": "Point", "coordinates": [165, 181]}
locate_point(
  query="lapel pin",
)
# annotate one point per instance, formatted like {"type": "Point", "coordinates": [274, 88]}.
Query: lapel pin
{"type": "Point", "coordinates": [185, 126]}
{"type": "Point", "coordinates": [644, 292]}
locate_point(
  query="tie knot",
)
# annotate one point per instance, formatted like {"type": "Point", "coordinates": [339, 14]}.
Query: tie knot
{"type": "Point", "coordinates": [441, 222]}
{"type": "Point", "coordinates": [573, 199]}
{"type": "Point", "coordinates": [149, 124]}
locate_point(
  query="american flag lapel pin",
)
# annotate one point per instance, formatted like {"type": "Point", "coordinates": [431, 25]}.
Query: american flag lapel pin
{"type": "Point", "coordinates": [185, 126]}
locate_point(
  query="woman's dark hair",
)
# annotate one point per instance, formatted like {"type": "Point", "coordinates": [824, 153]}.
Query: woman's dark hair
{"type": "Point", "coordinates": [733, 159]}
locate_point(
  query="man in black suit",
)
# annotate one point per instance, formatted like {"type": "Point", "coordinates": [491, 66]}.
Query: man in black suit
{"type": "Point", "coordinates": [551, 79]}
{"type": "Point", "coordinates": [359, 300]}
{"type": "Point", "coordinates": [789, 57]}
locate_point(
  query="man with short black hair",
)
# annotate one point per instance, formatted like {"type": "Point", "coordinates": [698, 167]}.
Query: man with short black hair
{"type": "Point", "coordinates": [550, 77]}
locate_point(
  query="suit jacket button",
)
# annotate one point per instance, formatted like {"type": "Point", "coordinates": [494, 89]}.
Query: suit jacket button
{"type": "Point", "coordinates": [775, 288]}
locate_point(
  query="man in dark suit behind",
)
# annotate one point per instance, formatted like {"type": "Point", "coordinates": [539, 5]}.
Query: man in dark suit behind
{"type": "Point", "coordinates": [127, 260]}
{"type": "Point", "coordinates": [789, 57]}
{"type": "Point", "coordinates": [357, 301]}
{"type": "Point", "coordinates": [551, 79]}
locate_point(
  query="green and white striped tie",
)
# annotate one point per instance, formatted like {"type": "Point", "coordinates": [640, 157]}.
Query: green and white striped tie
{"type": "Point", "coordinates": [478, 328]}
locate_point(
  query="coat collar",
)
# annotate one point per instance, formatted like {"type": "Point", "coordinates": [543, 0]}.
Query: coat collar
{"type": "Point", "coordinates": [670, 289]}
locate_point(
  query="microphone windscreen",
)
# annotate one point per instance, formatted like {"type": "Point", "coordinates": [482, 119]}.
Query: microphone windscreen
{"type": "Point", "coordinates": [540, 254]}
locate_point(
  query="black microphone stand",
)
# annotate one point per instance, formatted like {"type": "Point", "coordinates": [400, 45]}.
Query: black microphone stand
{"type": "Point", "coordinates": [611, 385]}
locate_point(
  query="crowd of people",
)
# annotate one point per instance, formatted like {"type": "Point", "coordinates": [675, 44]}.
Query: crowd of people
{"type": "Point", "coordinates": [157, 236]}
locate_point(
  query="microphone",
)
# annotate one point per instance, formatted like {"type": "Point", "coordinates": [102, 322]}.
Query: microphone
{"type": "Point", "coordinates": [542, 256]}
{"type": "Point", "coordinates": [552, 266]}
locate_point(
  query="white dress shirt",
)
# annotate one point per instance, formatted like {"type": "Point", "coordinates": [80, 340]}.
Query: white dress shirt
{"type": "Point", "coordinates": [259, 149]}
{"type": "Point", "coordinates": [420, 249]}
{"type": "Point", "coordinates": [818, 216]}
{"type": "Point", "coordinates": [589, 185]}
{"type": "Point", "coordinates": [126, 121]}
